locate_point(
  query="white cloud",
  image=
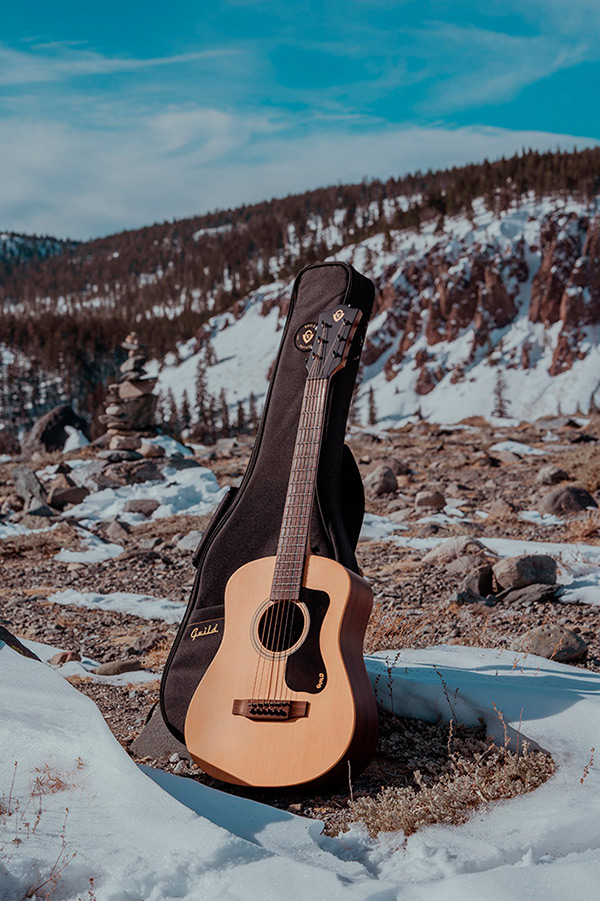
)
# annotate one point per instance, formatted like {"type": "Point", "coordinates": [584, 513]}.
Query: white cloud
{"type": "Point", "coordinates": [84, 181]}
{"type": "Point", "coordinates": [18, 67]}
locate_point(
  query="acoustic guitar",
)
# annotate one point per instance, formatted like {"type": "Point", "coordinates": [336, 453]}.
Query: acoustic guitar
{"type": "Point", "coordinates": [287, 700]}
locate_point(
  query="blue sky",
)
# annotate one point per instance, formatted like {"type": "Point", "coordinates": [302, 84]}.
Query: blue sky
{"type": "Point", "coordinates": [113, 116]}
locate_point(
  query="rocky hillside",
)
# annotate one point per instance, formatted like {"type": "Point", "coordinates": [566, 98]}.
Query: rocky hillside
{"type": "Point", "coordinates": [486, 274]}
{"type": "Point", "coordinates": [490, 314]}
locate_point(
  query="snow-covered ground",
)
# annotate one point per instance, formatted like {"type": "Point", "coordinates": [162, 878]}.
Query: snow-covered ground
{"type": "Point", "coordinates": [242, 366]}
{"type": "Point", "coordinates": [82, 810]}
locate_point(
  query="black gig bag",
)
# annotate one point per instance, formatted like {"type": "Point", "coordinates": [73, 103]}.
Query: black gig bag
{"type": "Point", "coordinates": [246, 524]}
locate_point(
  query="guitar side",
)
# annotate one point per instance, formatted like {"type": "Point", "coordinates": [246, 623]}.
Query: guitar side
{"type": "Point", "coordinates": [340, 723]}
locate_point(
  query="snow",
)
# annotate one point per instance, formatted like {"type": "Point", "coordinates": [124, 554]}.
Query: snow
{"type": "Point", "coordinates": [194, 491]}
{"type": "Point", "coordinates": [75, 439]}
{"type": "Point", "coordinates": [246, 344]}
{"type": "Point", "coordinates": [84, 668]}
{"type": "Point", "coordinates": [516, 447]}
{"type": "Point", "coordinates": [143, 605]}
{"type": "Point", "coordinates": [141, 833]}
{"type": "Point", "coordinates": [95, 551]}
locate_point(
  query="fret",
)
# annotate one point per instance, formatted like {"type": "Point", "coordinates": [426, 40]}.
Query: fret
{"type": "Point", "coordinates": [293, 537]}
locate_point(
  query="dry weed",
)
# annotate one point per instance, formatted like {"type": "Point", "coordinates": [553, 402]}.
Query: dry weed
{"type": "Point", "coordinates": [47, 542]}
{"type": "Point", "coordinates": [451, 769]}
{"type": "Point", "coordinates": [168, 526]}
{"type": "Point", "coordinates": [585, 528]}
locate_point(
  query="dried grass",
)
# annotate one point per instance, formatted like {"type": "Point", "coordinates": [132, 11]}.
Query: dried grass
{"type": "Point", "coordinates": [451, 769]}
{"type": "Point", "coordinates": [168, 526]}
{"type": "Point", "coordinates": [46, 543]}
{"type": "Point", "coordinates": [584, 528]}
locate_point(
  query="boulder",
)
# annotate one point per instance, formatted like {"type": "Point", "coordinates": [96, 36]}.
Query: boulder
{"type": "Point", "coordinates": [64, 657]}
{"type": "Point", "coordinates": [553, 642]}
{"type": "Point", "coordinates": [551, 475]}
{"type": "Point", "coordinates": [64, 491]}
{"type": "Point", "coordinates": [49, 433]}
{"type": "Point", "coordinates": [152, 451]}
{"type": "Point", "coordinates": [381, 481]}
{"type": "Point", "coordinates": [530, 594]}
{"type": "Point", "coordinates": [120, 456]}
{"type": "Point", "coordinates": [530, 569]}
{"type": "Point", "coordinates": [144, 505]}
{"type": "Point", "coordinates": [501, 509]}
{"type": "Point", "coordinates": [125, 443]}
{"type": "Point", "coordinates": [430, 500]}
{"type": "Point", "coordinates": [452, 548]}
{"type": "Point", "coordinates": [116, 531]}
{"type": "Point", "coordinates": [116, 667]}
{"type": "Point", "coordinates": [567, 499]}
{"type": "Point", "coordinates": [480, 581]}
{"type": "Point", "coordinates": [155, 740]}
{"type": "Point", "coordinates": [190, 541]}
{"type": "Point", "coordinates": [27, 485]}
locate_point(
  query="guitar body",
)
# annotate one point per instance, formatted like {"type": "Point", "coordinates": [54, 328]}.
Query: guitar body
{"type": "Point", "coordinates": [271, 715]}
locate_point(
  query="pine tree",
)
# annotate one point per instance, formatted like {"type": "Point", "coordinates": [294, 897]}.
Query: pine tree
{"type": "Point", "coordinates": [372, 407]}
{"type": "Point", "coordinates": [172, 417]}
{"type": "Point", "coordinates": [500, 404]}
{"type": "Point", "coordinates": [224, 414]}
{"type": "Point", "coordinates": [185, 414]}
{"type": "Point", "coordinates": [252, 413]}
{"type": "Point", "coordinates": [241, 418]}
{"type": "Point", "coordinates": [200, 392]}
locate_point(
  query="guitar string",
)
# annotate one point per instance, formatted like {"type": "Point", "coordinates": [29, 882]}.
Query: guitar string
{"type": "Point", "coordinates": [298, 527]}
{"type": "Point", "coordinates": [293, 522]}
{"type": "Point", "coordinates": [303, 466]}
{"type": "Point", "coordinates": [264, 675]}
{"type": "Point", "coordinates": [310, 469]}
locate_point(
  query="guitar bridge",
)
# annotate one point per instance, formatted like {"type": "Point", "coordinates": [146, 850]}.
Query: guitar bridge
{"type": "Point", "coordinates": [270, 710]}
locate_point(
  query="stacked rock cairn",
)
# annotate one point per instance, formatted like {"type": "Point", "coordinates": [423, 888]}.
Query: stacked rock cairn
{"type": "Point", "coordinates": [131, 405]}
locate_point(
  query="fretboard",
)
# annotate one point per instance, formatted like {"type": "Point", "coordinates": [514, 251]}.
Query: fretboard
{"type": "Point", "coordinates": [295, 525]}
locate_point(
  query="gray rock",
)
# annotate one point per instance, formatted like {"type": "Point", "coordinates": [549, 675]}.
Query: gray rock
{"type": "Point", "coordinates": [461, 566]}
{"type": "Point", "coordinates": [398, 467]}
{"type": "Point", "coordinates": [146, 641]}
{"type": "Point", "coordinates": [517, 572]}
{"type": "Point", "coordinates": [38, 508]}
{"type": "Point", "coordinates": [136, 472]}
{"type": "Point", "coordinates": [119, 456]}
{"type": "Point", "coordinates": [190, 541]}
{"type": "Point", "coordinates": [430, 500]}
{"type": "Point", "coordinates": [501, 509]}
{"type": "Point", "coordinates": [553, 642]}
{"type": "Point", "coordinates": [480, 581]}
{"type": "Point", "coordinates": [62, 497]}
{"type": "Point", "coordinates": [551, 475]}
{"type": "Point", "coordinates": [144, 505]}
{"type": "Point", "coordinates": [27, 485]}
{"type": "Point", "coordinates": [48, 432]}
{"type": "Point", "coordinates": [116, 531]}
{"type": "Point", "coordinates": [125, 443]}
{"type": "Point", "coordinates": [116, 667]}
{"type": "Point", "coordinates": [568, 499]}
{"type": "Point", "coordinates": [381, 481]}
{"type": "Point", "coordinates": [453, 548]}
{"type": "Point", "coordinates": [468, 596]}
{"type": "Point", "coordinates": [155, 740]}
{"type": "Point", "coordinates": [530, 594]}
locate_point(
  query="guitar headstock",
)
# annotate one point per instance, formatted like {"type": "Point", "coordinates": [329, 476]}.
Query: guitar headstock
{"type": "Point", "coordinates": [332, 341]}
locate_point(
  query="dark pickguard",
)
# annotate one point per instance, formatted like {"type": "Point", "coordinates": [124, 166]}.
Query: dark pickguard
{"type": "Point", "coordinates": [305, 668]}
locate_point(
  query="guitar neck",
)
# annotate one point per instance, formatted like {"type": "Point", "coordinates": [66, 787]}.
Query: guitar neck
{"type": "Point", "coordinates": [295, 526]}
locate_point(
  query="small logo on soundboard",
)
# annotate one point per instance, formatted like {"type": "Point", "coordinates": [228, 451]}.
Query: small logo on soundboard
{"type": "Point", "coordinates": [305, 336]}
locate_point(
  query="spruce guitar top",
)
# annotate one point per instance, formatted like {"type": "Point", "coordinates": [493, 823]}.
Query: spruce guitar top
{"type": "Point", "coordinates": [287, 700]}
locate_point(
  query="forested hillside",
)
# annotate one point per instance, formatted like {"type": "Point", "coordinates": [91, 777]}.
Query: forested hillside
{"type": "Point", "coordinates": [65, 306]}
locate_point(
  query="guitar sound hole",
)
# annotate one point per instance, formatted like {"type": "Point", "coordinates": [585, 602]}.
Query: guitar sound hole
{"type": "Point", "coordinates": [281, 626]}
